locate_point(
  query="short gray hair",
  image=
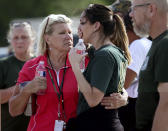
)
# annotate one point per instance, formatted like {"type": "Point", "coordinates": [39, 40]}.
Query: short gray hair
{"type": "Point", "coordinates": [31, 32]}
{"type": "Point", "coordinates": [46, 28]}
{"type": "Point", "coordinates": [162, 5]}
{"type": "Point", "coordinates": [25, 25]}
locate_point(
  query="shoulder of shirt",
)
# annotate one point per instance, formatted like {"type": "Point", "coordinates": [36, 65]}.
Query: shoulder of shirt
{"type": "Point", "coordinates": [104, 52]}
{"type": "Point", "coordinates": [34, 61]}
{"type": "Point", "coordinates": [162, 45]}
{"type": "Point", "coordinates": [164, 41]}
{"type": "Point", "coordinates": [141, 43]}
{"type": "Point", "coordinates": [111, 53]}
{"type": "Point", "coordinates": [7, 59]}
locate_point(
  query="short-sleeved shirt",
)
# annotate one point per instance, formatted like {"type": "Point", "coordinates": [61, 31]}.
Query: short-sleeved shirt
{"type": "Point", "coordinates": [47, 104]}
{"type": "Point", "coordinates": [9, 70]}
{"type": "Point", "coordinates": [153, 71]}
{"type": "Point", "coordinates": [138, 50]}
{"type": "Point", "coordinates": [105, 71]}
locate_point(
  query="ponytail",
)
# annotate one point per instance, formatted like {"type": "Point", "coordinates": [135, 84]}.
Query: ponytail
{"type": "Point", "coordinates": [120, 38]}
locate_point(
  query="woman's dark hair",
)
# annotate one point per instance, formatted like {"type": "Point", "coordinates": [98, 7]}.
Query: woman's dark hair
{"type": "Point", "coordinates": [112, 24]}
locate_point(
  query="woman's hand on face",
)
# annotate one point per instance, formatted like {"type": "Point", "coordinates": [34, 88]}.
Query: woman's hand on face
{"type": "Point", "coordinates": [38, 83]}
{"type": "Point", "coordinates": [114, 101]}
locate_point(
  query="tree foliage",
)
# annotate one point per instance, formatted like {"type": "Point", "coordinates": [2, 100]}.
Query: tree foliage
{"type": "Point", "coordinates": [12, 9]}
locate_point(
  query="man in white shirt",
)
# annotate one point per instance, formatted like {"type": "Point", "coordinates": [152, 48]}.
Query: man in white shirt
{"type": "Point", "coordinates": [139, 48]}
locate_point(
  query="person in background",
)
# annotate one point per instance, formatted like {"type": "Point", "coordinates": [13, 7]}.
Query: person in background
{"type": "Point", "coordinates": [139, 47]}
{"type": "Point", "coordinates": [150, 17]}
{"type": "Point", "coordinates": [21, 37]}
{"type": "Point", "coordinates": [59, 102]}
{"type": "Point", "coordinates": [105, 73]}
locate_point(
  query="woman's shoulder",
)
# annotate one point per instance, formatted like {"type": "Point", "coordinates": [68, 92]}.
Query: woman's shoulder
{"type": "Point", "coordinates": [103, 51]}
{"type": "Point", "coordinates": [34, 61]}
{"type": "Point", "coordinates": [109, 50]}
{"type": "Point", "coordinates": [28, 71]}
{"type": "Point", "coordinates": [7, 60]}
{"type": "Point", "coordinates": [105, 55]}
{"type": "Point", "coordinates": [114, 53]}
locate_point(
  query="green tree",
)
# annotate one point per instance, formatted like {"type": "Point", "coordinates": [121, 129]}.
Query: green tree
{"type": "Point", "coordinates": [12, 9]}
{"type": "Point", "coordinates": [74, 7]}
{"type": "Point", "coordinates": [19, 9]}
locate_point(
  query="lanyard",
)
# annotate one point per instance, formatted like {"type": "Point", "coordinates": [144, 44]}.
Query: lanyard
{"type": "Point", "coordinates": [60, 93]}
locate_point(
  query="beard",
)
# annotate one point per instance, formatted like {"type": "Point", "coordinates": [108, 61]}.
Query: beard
{"type": "Point", "coordinates": [142, 30]}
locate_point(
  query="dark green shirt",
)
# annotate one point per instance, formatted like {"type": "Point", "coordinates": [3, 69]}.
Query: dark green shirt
{"type": "Point", "coordinates": [153, 71]}
{"type": "Point", "coordinates": [105, 71]}
{"type": "Point", "coordinates": [9, 69]}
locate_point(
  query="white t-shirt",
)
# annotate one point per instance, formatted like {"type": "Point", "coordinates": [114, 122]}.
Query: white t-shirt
{"type": "Point", "coordinates": [138, 50]}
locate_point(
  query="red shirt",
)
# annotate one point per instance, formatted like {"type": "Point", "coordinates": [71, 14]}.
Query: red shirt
{"type": "Point", "coordinates": [47, 105]}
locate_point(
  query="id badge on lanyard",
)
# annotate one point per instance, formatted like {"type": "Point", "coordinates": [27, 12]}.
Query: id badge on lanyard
{"type": "Point", "coordinates": [60, 125]}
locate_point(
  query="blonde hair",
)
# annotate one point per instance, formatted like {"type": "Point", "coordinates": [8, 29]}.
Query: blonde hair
{"type": "Point", "coordinates": [46, 28]}
{"type": "Point", "coordinates": [28, 28]}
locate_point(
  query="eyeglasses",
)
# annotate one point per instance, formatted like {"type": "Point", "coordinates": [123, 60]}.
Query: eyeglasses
{"type": "Point", "coordinates": [139, 5]}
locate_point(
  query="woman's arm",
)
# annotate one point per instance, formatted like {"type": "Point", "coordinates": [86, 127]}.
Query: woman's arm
{"type": "Point", "coordinates": [20, 97]}
{"type": "Point", "coordinates": [5, 94]}
{"type": "Point", "coordinates": [92, 95]}
{"type": "Point", "coordinates": [18, 101]}
{"type": "Point", "coordinates": [115, 100]}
